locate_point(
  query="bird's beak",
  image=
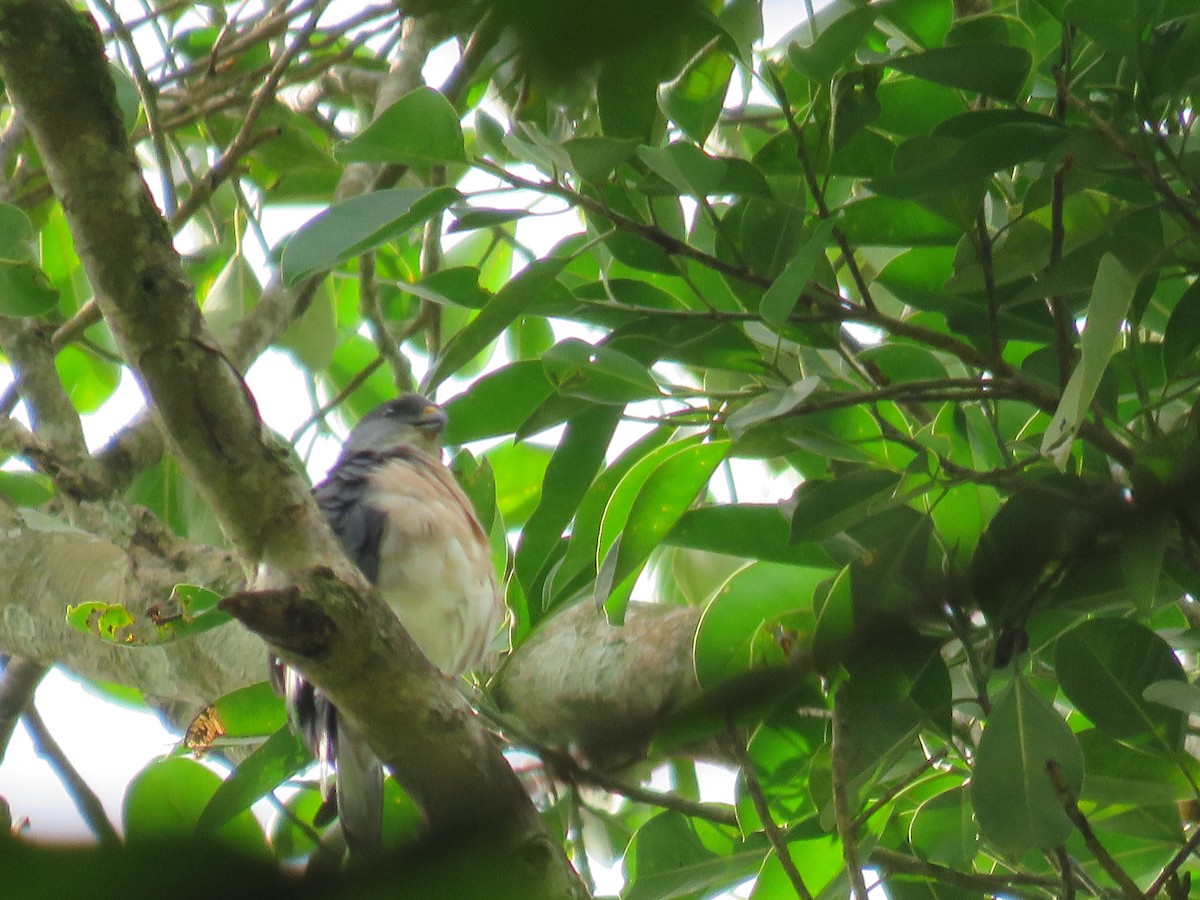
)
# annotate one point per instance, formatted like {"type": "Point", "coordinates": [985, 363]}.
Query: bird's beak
{"type": "Point", "coordinates": [432, 419]}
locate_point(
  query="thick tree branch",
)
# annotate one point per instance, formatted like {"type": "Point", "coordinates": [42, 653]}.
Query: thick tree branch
{"type": "Point", "coordinates": [580, 681]}
{"type": "Point", "coordinates": [53, 66]}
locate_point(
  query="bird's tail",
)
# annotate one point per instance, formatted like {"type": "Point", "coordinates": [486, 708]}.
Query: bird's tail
{"type": "Point", "coordinates": [359, 792]}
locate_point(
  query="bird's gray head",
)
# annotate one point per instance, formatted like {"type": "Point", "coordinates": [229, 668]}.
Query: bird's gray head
{"type": "Point", "coordinates": [409, 420]}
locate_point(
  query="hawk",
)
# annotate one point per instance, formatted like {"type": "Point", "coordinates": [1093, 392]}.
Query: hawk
{"type": "Point", "coordinates": [408, 526]}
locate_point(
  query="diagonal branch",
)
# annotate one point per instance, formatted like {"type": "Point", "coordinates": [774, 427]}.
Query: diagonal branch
{"type": "Point", "coordinates": [53, 66]}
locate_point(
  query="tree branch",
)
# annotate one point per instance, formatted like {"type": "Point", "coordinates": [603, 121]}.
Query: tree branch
{"type": "Point", "coordinates": [53, 67]}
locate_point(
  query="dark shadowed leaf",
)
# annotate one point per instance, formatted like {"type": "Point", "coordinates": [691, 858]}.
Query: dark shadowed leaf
{"type": "Point", "coordinates": [1014, 799]}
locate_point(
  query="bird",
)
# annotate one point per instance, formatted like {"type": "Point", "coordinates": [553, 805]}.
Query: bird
{"type": "Point", "coordinates": [405, 523]}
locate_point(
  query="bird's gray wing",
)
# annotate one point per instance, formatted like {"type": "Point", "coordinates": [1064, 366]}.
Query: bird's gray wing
{"type": "Point", "coordinates": [344, 499]}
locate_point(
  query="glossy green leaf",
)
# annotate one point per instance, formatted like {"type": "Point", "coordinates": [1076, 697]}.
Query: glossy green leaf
{"type": "Point", "coordinates": [1014, 799]}
{"type": "Point", "coordinates": [735, 631]}
{"type": "Point", "coordinates": [597, 373]}
{"type": "Point", "coordinates": [887, 222]}
{"type": "Point", "coordinates": [26, 488]}
{"type": "Point", "coordinates": [996, 70]}
{"type": "Point", "coordinates": [1106, 665]}
{"type": "Point", "coordinates": [497, 403]}
{"type": "Point", "coordinates": [519, 470]}
{"type": "Point", "coordinates": [253, 711]}
{"type": "Point", "coordinates": [587, 544]}
{"type": "Point", "coordinates": [1182, 335]}
{"type": "Point", "coordinates": [167, 798]}
{"type": "Point", "coordinates": [783, 295]}
{"type": "Point", "coordinates": [943, 829]}
{"type": "Point", "coordinates": [280, 757]}
{"type": "Point", "coordinates": [538, 282]}
{"type": "Point", "coordinates": [823, 508]}
{"type": "Point", "coordinates": [662, 498]}
{"type": "Point", "coordinates": [674, 856]}
{"type": "Point", "coordinates": [355, 226]}
{"type": "Point", "coordinates": [693, 100]}
{"type": "Point", "coordinates": [1111, 295]}
{"type": "Point", "coordinates": [419, 129]}
{"type": "Point", "coordinates": [569, 474]}
{"type": "Point", "coordinates": [752, 531]}
{"type": "Point", "coordinates": [997, 147]}
{"type": "Point", "coordinates": [833, 45]}
{"type": "Point", "coordinates": [88, 379]}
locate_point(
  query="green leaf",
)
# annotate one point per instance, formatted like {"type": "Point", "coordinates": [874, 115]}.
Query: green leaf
{"type": "Point", "coordinates": [355, 226]}
{"type": "Point", "coordinates": [833, 45]}
{"type": "Point", "coordinates": [497, 403]}
{"type": "Point", "coordinates": [539, 282]}
{"type": "Point", "coordinates": [1182, 335]}
{"type": "Point", "coordinates": [1112, 293]}
{"type": "Point", "coordinates": [662, 499]}
{"type": "Point", "coordinates": [471, 218]}
{"type": "Point", "coordinates": [575, 462]}
{"type": "Point", "coordinates": [419, 129]}
{"type": "Point", "coordinates": [25, 290]}
{"type": "Point", "coordinates": [824, 508]}
{"type": "Point", "coordinates": [693, 100]}
{"type": "Point", "coordinates": [588, 544]}
{"type": "Point", "coordinates": [253, 711]}
{"type": "Point", "coordinates": [674, 856]}
{"type": "Point", "coordinates": [278, 758]}
{"type": "Point", "coordinates": [27, 488]}
{"type": "Point", "coordinates": [969, 155]}
{"type": "Point", "coordinates": [595, 158]}
{"type": "Point", "coordinates": [1014, 799]}
{"type": "Point", "coordinates": [88, 378]}
{"type": "Point", "coordinates": [752, 531]}
{"type": "Point", "coordinates": [996, 70]}
{"type": "Point", "coordinates": [771, 405]}
{"type": "Point", "coordinates": [943, 829]}
{"type": "Point", "coordinates": [167, 798]}
{"type": "Point", "coordinates": [597, 373]}
{"type": "Point", "coordinates": [108, 621]}
{"type": "Point", "coordinates": [734, 633]}
{"type": "Point", "coordinates": [1105, 667]}
{"type": "Point", "coordinates": [519, 470]}
{"type": "Point", "coordinates": [784, 293]}
{"type": "Point", "coordinates": [887, 222]}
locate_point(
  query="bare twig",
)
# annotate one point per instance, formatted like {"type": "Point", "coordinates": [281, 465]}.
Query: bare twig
{"type": "Point", "coordinates": [1012, 885]}
{"type": "Point", "coordinates": [1171, 869]}
{"type": "Point", "coordinates": [1129, 888]}
{"type": "Point", "coordinates": [567, 769]}
{"type": "Point", "coordinates": [774, 835]}
{"type": "Point", "coordinates": [20, 680]}
{"type": "Point", "coordinates": [843, 817]}
{"type": "Point", "coordinates": [85, 799]}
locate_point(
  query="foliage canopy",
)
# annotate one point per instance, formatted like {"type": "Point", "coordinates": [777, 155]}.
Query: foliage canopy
{"type": "Point", "coordinates": [936, 267]}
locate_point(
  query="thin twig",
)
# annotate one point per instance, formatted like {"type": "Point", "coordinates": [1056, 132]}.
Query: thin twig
{"type": "Point", "coordinates": [902, 784]}
{"type": "Point", "coordinates": [843, 818]}
{"type": "Point", "coordinates": [1129, 888]}
{"type": "Point", "coordinates": [567, 769]}
{"type": "Point", "coordinates": [372, 312]}
{"type": "Point", "coordinates": [1064, 328]}
{"type": "Point", "coordinates": [17, 686]}
{"type": "Point", "coordinates": [85, 799]}
{"type": "Point", "coordinates": [894, 863]}
{"type": "Point", "coordinates": [774, 835]}
{"type": "Point", "coordinates": [149, 95]}
{"type": "Point", "coordinates": [1173, 200]}
{"type": "Point", "coordinates": [1064, 870]}
{"type": "Point", "coordinates": [1172, 868]}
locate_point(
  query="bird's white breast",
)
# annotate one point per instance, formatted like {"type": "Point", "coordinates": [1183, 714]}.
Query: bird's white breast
{"type": "Point", "coordinates": [435, 567]}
